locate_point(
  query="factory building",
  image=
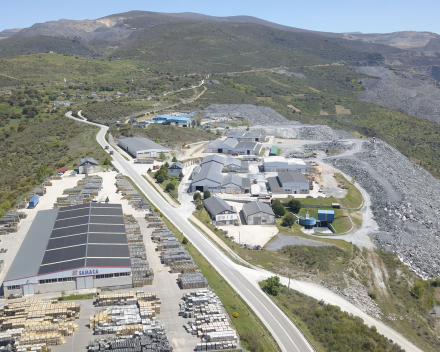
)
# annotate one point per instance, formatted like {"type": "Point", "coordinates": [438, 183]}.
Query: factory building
{"type": "Point", "coordinates": [142, 148]}
{"type": "Point", "coordinates": [221, 213]}
{"type": "Point", "coordinates": [281, 164]}
{"type": "Point", "coordinates": [293, 182]}
{"type": "Point", "coordinates": [247, 136]}
{"type": "Point", "coordinates": [72, 248]}
{"type": "Point", "coordinates": [229, 164]}
{"type": "Point", "coordinates": [258, 213]}
{"type": "Point", "coordinates": [233, 146]}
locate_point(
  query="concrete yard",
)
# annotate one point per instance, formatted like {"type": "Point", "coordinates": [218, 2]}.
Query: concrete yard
{"type": "Point", "coordinates": [250, 234]}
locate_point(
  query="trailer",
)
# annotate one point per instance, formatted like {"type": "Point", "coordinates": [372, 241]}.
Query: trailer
{"type": "Point", "coordinates": [34, 201]}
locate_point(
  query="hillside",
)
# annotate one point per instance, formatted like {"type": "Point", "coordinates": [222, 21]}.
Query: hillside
{"type": "Point", "coordinates": [13, 46]}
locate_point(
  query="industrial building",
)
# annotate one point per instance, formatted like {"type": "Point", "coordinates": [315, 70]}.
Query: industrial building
{"type": "Point", "coordinates": [209, 176]}
{"type": "Point", "coordinates": [88, 166]}
{"type": "Point", "coordinates": [71, 248]}
{"type": "Point", "coordinates": [233, 146]}
{"type": "Point", "coordinates": [174, 119]}
{"type": "Point", "coordinates": [280, 164]}
{"type": "Point", "coordinates": [247, 136]}
{"type": "Point", "coordinates": [293, 182]}
{"type": "Point", "coordinates": [175, 169]}
{"type": "Point", "coordinates": [221, 213]}
{"type": "Point", "coordinates": [229, 164]}
{"type": "Point", "coordinates": [142, 148]}
{"type": "Point", "coordinates": [258, 213]}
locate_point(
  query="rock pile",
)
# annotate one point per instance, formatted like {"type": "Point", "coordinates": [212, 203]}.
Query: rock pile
{"type": "Point", "coordinates": [409, 223]}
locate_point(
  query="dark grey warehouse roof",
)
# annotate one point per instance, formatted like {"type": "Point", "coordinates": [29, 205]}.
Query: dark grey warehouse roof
{"type": "Point", "coordinates": [257, 207]}
{"type": "Point", "coordinates": [292, 176]}
{"type": "Point", "coordinates": [29, 256]}
{"type": "Point", "coordinates": [73, 237]}
{"type": "Point", "coordinates": [140, 144]}
{"type": "Point", "coordinates": [215, 206]}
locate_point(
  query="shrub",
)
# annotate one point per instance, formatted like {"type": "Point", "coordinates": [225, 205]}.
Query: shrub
{"type": "Point", "coordinates": [185, 241]}
{"type": "Point", "coordinates": [288, 220]}
{"type": "Point", "coordinates": [160, 178]}
{"type": "Point", "coordinates": [278, 208]}
{"type": "Point", "coordinates": [295, 205]}
{"type": "Point", "coordinates": [196, 196]}
{"type": "Point", "coordinates": [206, 194]}
{"type": "Point", "coordinates": [418, 289]}
{"type": "Point", "coordinates": [272, 286]}
{"type": "Point", "coordinates": [170, 187]}
{"type": "Point", "coordinates": [235, 315]}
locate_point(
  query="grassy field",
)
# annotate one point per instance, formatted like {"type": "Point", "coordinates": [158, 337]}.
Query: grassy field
{"type": "Point", "coordinates": [328, 327]}
{"type": "Point", "coordinates": [28, 156]}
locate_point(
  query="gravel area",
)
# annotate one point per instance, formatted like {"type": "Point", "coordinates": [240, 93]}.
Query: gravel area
{"type": "Point", "coordinates": [300, 131]}
{"type": "Point", "coordinates": [404, 202]}
{"type": "Point", "coordinates": [282, 240]}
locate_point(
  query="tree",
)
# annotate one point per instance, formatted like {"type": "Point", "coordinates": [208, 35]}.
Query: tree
{"type": "Point", "coordinates": [418, 289]}
{"type": "Point", "coordinates": [166, 165]}
{"type": "Point", "coordinates": [288, 220]}
{"type": "Point", "coordinates": [174, 159]}
{"type": "Point", "coordinates": [272, 286]}
{"type": "Point", "coordinates": [185, 241]}
{"type": "Point", "coordinates": [295, 205]}
{"type": "Point", "coordinates": [180, 176]}
{"type": "Point", "coordinates": [196, 196]}
{"type": "Point", "coordinates": [162, 156]}
{"type": "Point", "coordinates": [170, 187]}
{"type": "Point", "coordinates": [278, 208]}
{"type": "Point", "coordinates": [160, 178]}
{"type": "Point", "coordinates": [206, 194]}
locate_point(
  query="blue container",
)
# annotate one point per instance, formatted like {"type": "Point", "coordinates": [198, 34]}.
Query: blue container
{"type": "Point", "coordinates": [326, 215]}
{"type": "Point", "coordinates": [34, 201]}
{"type": "Point", "coordinates": [311, 221]}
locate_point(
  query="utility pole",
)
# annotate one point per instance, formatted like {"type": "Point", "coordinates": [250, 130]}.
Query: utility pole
{"type": "Point", "coordinates": [239, 238]}
{"type": "Point", "coordinates": [288, 286]}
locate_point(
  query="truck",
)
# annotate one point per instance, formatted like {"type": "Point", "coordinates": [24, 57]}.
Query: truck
{"type": "Point", "coordinates": [34, 201]}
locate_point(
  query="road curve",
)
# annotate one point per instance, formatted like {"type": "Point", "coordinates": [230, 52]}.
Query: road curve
{"type": "Point", "coordinates": [244, 280]}
{"type": "Point", "coordinates": [287, 335]}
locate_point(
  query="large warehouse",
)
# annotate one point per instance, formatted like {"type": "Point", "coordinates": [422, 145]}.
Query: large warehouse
{"type": "Point", "coordinates": [71, 248]}
{"type": "Point", "coordinates": [142, 147]}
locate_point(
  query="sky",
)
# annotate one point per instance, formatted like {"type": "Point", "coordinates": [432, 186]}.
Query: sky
{"type": "Point", "coordinates": [372, 16]}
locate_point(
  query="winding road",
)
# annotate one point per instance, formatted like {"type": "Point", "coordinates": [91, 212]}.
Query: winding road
{"type": "Point", "coordinates": [245, 280]}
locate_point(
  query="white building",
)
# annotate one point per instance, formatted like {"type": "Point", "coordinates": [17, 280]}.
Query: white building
{"type": "Point", "coordinates": [281, 164]}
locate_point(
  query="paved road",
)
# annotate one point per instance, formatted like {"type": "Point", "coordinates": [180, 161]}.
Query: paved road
{"type": "Point", "coordinates": [288, 337]}
{"type": "Point", "coordinates": [244, 280]}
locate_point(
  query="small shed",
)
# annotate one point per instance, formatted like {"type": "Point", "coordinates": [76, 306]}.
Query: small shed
{"type": "Point", "coordinates": [273, 150]}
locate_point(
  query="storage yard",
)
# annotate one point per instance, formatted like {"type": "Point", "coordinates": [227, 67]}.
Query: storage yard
{"type": "Point", "coordinates": [158, 261]}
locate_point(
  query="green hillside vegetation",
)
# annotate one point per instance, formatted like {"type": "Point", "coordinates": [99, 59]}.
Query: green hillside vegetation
{"type": "Point", "coordinates": [109, 112]}
{"type": "Point", "coordinates": [28, 156]}
{"type": "Point", "coordinates": [167, 135]}
{"type": "Point", "coordinates": [42, 44]}
{"type": "Point", "coordinates": [329, 327]}
{"type": "Point", "coordinates": [225, 47]}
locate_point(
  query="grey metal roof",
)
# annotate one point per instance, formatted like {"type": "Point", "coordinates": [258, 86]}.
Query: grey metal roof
{"type": "Point", "coordinates": [140, 144]}
{"type": "Point", "coordinates": [73, 237]}
{"type": "Point", "coordinates": [229, 143]}
{"type": "Point", "coordinates": [210, 171]}
{"type": "Point", "coordinates": [257, 207]}
{"type": "Point", "coordinates": [215, 206]}
{"type": "Point", "coordinates": [87, 160]}
{"type": "Point", "coordinates": [275, 185]}
{"type": "Point", "coordinates": [292, 176]}
{"type": "Point", "coordinates": [29, 256]}
{"type": "Point", "coordinates": [215, 157]}
{"type": "Point", "coordinates": [236, 180]}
